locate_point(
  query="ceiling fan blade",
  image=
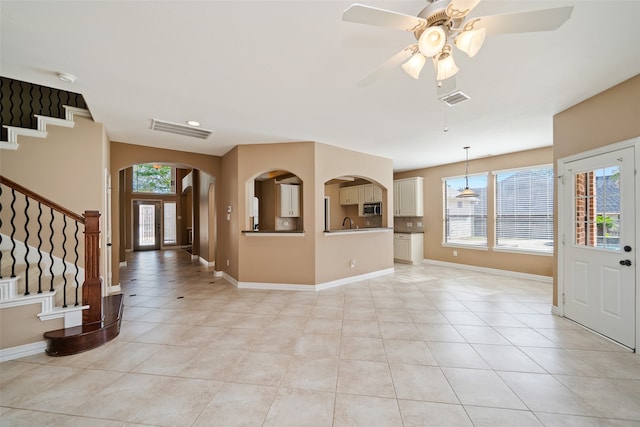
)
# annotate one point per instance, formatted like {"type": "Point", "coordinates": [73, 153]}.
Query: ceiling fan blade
{"type": "Point", "coordinates": [387, 66]}
{"type": "Point", "coordinates": [524, 22]}
{"type": "Point", "coordinates": [461, 8]}
{"type": "Point", "coordinates": [382, 18]}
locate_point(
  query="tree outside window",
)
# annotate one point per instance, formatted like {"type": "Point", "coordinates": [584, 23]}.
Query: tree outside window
{"type": "Point", "coordinates": [153, 178]}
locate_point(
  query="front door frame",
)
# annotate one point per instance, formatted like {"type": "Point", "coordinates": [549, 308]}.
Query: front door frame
{"type": "Point", "coordinates": [565, 208]}
{"type": "Point", "coordinates": [134, 229]}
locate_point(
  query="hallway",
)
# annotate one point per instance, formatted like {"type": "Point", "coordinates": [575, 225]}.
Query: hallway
{"type": "Point", "coordinates": [424, 346]}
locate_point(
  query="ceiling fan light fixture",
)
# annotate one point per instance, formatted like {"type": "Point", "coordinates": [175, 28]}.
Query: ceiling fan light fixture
{"type": "Point", "coordinates": [445, 66]}
{"type": "Point", "coordinates": [431, 41]}
{"type": "Point", "coordinates": [414, 65]}
{"type": "Point", "coordinates": [470, 42]}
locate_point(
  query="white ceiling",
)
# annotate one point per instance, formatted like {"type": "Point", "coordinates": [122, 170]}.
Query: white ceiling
{"type": "Point", "coordinates": [277, 71]}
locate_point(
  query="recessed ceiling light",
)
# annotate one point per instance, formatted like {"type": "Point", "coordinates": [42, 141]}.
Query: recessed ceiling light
{"type": "Point", "coordinates": [193, 123]}
{"type": "Point", "coordinates": [66, 77]}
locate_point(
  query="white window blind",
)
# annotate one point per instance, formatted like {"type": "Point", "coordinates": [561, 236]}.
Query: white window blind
{"type": "Point", "coordinates": [524, 209]}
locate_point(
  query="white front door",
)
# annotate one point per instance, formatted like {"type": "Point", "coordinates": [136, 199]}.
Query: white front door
{"type": "Point", "coordinates": [599, 244]}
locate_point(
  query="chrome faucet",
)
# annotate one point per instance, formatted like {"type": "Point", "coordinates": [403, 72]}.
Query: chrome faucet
{"type": "Point", "coordinates": [345, 220]}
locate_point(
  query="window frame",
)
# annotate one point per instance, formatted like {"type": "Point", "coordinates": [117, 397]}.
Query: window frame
{"type": "Point", "coordinates": [496, 247]}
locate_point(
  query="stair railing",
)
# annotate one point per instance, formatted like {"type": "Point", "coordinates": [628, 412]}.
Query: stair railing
{"type": "Point", "coordinates": [22, 226]}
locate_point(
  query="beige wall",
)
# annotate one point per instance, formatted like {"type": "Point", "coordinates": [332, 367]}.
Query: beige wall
{"type": "Point", "coordinates": [281, 259]}
{"type": "Point", "coordinates": [433, 212]}
{"type": "Point", "coordinates": [229, 223]}
{"type": "Point", "coordinates": [371, 251]}
{"type": "Point", "coordinates": [20, 325]}
{"type": "Point", "coordinates": [126, 155]}
{"type": "Point", "coordinates": [609, 117]}
{"type": "Point", "coordinates": [68, 168]}
{"type": "Point", "coordinates": [295, 259]}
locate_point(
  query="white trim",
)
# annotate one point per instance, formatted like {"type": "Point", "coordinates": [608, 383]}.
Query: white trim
{"type": "Point", "coordinates": [206, 263]}
{"type": "Point", "coordinates": [461, 246]}
{"type": "Point", "coordinates": [45, 299]}
{"type": "Point", "coordinates": [43, 121]}
{"type": "Point", "coordinates": [114, 289]}
{"type": "Point", "coordinates": [70, 112]}
{"type": "Point", "coordinates": [22, 351]}
{"type": "Point", "coordinates": [555, 310]}
{"type": "Point", "coordinates": [307, 288]}
{"type": "Point", "coordinates": [540, 278]}
{"type": "Point", "coordinates": [217, 273]}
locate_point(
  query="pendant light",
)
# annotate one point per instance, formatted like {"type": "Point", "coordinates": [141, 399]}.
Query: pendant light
{"type": "Point", "coordinates": [467, 192]}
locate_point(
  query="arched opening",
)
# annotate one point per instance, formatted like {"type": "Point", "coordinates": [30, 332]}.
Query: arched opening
{"type": "Point", "coordinates": [352, 202]}
{"type": "Point", "coordinates": [274, 202]}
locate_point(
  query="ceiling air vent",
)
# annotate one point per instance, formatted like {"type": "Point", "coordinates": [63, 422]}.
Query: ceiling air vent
{"type": "Point", "coordinates": [454, 98]}
{"type": "Point", "coordinates": [179, 129]}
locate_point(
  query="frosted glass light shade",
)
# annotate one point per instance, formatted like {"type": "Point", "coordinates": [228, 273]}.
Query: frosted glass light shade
{"type": "Point", "coordinates": [414, 65]}
{"type": "Point", "coordinates": [445, 67]}
{"type": "Point", "coordinates": [432, 41]}
{"type": "Point", "coordinates": [470, 42]}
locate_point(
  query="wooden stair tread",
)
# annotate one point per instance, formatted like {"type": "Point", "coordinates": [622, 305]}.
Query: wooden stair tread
{"type": "Point", "coordinates": [68, 341]}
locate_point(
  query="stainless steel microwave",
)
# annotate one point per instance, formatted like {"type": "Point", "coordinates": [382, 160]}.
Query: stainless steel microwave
{"type": "Point", "coordinates": [371, 209]}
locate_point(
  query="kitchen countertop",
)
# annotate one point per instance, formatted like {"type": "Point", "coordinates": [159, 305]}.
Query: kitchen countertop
{"type": "Point", "coordinates": [357, 230]}
{"type": "Point", "coordinates": [408, 232]}
{"type": "Point", "coordinates": [273, 232]}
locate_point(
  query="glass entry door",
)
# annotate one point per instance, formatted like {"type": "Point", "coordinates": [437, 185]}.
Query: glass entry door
{"type": "Point", "coordinates": [146, 225]}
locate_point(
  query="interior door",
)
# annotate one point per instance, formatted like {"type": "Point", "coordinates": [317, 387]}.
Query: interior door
{"type": "Point", "coordinates": [599, 244]}
{"type": "Point", "coordinates": [146, 225]}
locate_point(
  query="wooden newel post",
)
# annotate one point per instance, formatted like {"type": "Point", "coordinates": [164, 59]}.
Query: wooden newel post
{"type": "Point", "coordinates": [92, 288]}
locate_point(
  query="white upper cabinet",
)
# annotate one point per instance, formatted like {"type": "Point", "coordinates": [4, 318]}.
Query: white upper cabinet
{"type": "Point", "coordinates": [408, 199]}
{"type": "Point", "coordinates": [289, 200]}
{"type": "Point", "coordinates": [370, 193]}
{"type": "Point", "coordinates": [349, 195]}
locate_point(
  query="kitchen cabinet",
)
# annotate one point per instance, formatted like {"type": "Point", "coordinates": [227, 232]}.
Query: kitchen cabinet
{"type": "Point", "coordinates": [289, 200]}
{"type": "Point", "coordinates": [350, 195]}
{"type": "Point", "coordinates": [408, 199]}
{"type": "Point", "coordinates": [408, 247]}
{"type": "Point", "coordinates": [369, 193]}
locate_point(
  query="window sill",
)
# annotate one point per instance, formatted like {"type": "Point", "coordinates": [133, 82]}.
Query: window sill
{"type": "Point", "coordinates": [521, 251]}
{"type": "Point", "coordinates": [461, 246]}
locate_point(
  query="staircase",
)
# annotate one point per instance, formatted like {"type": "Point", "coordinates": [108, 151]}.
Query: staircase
{"type": "Point", "coordinates": [41, 245]}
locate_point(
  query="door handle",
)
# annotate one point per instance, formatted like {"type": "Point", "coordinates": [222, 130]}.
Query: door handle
{"type": "Point", "coordinates": [626, 262]}
{"type": "Point", "coordinates": [627, 248]}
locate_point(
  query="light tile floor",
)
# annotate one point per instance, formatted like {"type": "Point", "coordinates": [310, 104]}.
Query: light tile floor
{"type": "Point", "coordinates": [424, 346]}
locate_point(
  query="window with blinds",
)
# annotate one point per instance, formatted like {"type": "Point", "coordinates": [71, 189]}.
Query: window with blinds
{"type": "Point", "coordinates": [465, 219]}
{"type": "Point", "coordinates": [169, 223]}
{"type": "Point", "coordinates": [524, 209]}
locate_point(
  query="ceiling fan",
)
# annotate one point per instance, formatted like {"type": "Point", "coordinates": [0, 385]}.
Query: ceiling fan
{"type": "Point", "coordinates": [443, 23]}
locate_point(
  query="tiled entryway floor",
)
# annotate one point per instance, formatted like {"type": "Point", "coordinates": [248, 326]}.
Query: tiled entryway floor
{"type": "Point", "coordinates": [425, 346]}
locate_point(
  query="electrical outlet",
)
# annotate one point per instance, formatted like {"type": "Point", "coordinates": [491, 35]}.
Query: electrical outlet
{"type": "Point", "coordinates": [409, 224]}
{"type": "Point", "coordinates": [418, 224]}
{"type": "Point", "coordinates": [227, 263]}
{"type": "Point", "coordinates": [455, 253]}
{"type": "Point", "coordinates": [286, 223]}
{"type": "Point", "coordinates": [353, 263]}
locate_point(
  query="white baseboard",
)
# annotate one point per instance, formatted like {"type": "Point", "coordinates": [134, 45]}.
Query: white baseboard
{"type": "Point", "coordinates": [555, 310]}
{"type": "Point", "coordinates": [545, 279]}
{"type": "Point", "coordinates": [306, 288]}
{"type": "Point", "coordinates": [22, 351]}
{"type": "Point", "coordinates": [206, 263]}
